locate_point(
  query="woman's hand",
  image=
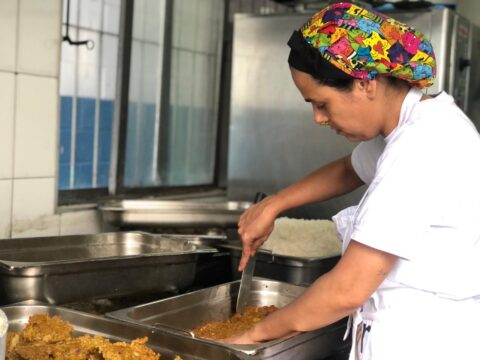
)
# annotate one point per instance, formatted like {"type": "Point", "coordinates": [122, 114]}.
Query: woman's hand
{"type": "Point", "coordinates": [248, 337]}
{"type": "Point", "coordinates": [254, 227]}
{"type": "Point", "coordinates": [241, 339]}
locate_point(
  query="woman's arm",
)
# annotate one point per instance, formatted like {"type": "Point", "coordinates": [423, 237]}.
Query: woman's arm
{"type": "Point", "coordinates": [256, 224]}
{"type": "Point", "coordinates": [334, 179]}
{"type": "Point", "coordinates": [333, 296]}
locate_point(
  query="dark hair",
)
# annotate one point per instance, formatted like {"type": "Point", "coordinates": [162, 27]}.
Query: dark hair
{"type": "Point", "coordinates": [309, 60]}
{"type": "Point", "coordinates": [339, 84]}
{"type": "Point", "coordinates": [347, 84]}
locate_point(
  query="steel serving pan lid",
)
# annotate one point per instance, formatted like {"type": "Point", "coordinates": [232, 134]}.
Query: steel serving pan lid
{"type": "Point", "coordinates": [154, 212]}
{"type": "Point", "coordinates": [154, 205]}
{"type": "Point", "coordinates": [99, 248]}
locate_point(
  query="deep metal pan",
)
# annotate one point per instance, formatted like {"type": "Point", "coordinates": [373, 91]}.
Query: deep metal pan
{"type": "Point", "coordinates": [168, 345]}
{"type": "Point", "coordinates": [153, 213]}
{"type": "Point", "coordinates": [182, 313]}
{"type": "Point", "coordinates": [70, 268]}
{"type": "Point", "coordinates": [292, 269]}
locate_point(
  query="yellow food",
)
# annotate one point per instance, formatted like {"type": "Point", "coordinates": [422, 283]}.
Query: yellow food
{"type": "Point", "coordinates": [50, 338]}
{"type": "Point", "coordinates": [237, 324]}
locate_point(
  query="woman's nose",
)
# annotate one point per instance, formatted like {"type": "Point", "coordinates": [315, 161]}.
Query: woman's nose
{"type": "Point", "coordinates": [320, 117]}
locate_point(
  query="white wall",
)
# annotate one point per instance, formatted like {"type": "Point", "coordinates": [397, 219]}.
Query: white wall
{"type": "Point", "coordinates": [30, 38]}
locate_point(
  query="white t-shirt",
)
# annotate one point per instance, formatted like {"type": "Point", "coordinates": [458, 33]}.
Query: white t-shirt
{"type": "Point", "coordinates": [423, 199]}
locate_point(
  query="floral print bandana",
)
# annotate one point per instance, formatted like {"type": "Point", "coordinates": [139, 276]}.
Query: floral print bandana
{"type": "Point", "coordinates": [365, 44]}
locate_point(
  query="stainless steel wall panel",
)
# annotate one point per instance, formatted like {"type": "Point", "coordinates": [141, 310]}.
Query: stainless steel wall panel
{"type": "Point", "coordinates": [437, 26]}
{"type": "Point", "coordinates": [273, 139]}
{"type": "Point", "coordinates": [473, 110]}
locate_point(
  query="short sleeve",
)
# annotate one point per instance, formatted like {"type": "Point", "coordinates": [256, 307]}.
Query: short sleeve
{"type": "Point", "coordinates": [365, 157]}
{"type": "Point", "coordinates": [392, 216]}
{"type": "Point", "coordinates": [423, 202]}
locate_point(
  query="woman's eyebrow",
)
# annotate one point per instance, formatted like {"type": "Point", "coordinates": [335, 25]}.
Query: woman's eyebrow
{"type": "Point", "coordinates": [308, 100]}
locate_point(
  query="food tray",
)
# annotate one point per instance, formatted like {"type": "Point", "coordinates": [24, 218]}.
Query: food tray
{"type": "Point", "coordinates": [181, 313]}
{"type": "Point", "coordinates": [168, 345]}
{"type": "Point", "coordinates": [291, 269]}
{"type": "Point", "coordinates": [154, 213]}
{"type": "Point", "coordinates": [63, 269]}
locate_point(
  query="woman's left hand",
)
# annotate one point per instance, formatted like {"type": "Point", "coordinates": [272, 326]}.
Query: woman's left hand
{"type": "Point", "coordinates": [242, 339]}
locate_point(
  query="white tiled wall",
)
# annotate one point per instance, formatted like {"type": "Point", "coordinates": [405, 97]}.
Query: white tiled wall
{"type": "Point", "coordinates": [30, 38]}
{"type": "Point", "coordinates": [39, 36]}
{"type": "Point", "coordinates": [5, 208]}
{"type": "Point", "coordinates": [7, 98]}
{"type": "Point", "coordinates": [8, 31]}
{"type": "Point", "coordinates": [32, 199]}
{"type": "Point", "coordinates": [80, 222]}
{"type": "Point", "coordinates": [36, 126]}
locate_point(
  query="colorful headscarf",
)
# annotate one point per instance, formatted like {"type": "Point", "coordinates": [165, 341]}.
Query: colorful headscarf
{"type": "Point", "coordinates": [364, 44]}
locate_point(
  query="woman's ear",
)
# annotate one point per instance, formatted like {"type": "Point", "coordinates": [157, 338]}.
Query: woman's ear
{"type": "Point", "coordinates": [367, 87]}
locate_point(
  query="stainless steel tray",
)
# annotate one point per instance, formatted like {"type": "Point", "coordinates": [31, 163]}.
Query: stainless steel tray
{"type": "Point", "coordinates": [291, 269]}
{"type": "Point", "coordinates": [69, 268]}
{"type": "Point", "coordinates": [181, 313]}
{"type": "Point", "coordinates": [153, 213]}
{"type": "Point", "coordinates": [168, 345]}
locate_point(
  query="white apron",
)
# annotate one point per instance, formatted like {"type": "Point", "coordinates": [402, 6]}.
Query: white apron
{"type": "Point", "coordinates": [401, 323]}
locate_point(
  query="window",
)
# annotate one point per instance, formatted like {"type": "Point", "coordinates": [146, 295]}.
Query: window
{"type": "Point", "coordinates": [170, 129]}
{"type": "Point", "coordinates": [144, 100]}
{"type": "Point", "coordinates": [87, 93]}
{"type": "Point", "coordinates": [180, 149]}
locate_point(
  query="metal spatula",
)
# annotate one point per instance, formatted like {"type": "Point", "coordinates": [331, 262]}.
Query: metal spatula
{"type": "Point", "coordinates": [247, 274]}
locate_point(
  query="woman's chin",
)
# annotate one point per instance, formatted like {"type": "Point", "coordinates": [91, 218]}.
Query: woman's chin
{"type": "Point", "coordinates": [351, 138]}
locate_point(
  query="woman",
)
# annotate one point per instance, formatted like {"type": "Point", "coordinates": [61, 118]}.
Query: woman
{"type": "Point", "coordinates": [410, 270]}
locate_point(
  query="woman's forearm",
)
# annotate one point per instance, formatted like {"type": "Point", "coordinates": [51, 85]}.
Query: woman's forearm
{"type": "Point", "coordinates": [319, 304]}
{"type": "Point", "coordinates": [334, 179]}
{"type": "Point", "coordinates": [331, 297]}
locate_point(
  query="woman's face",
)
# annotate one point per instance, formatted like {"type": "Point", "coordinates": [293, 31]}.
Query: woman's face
{"type": "Point", "coordinates": [351, 113]}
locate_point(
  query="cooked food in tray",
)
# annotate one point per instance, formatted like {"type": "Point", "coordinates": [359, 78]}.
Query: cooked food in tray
{"type": "Point", "coordinates": [237, 324]}
{"type": "Point", "coordinates": [50, 338]}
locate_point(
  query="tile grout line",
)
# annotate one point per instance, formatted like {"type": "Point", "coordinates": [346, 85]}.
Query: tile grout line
{"type": "Point", "coordinates": [15, 86]}
{"type": "Point", "coordinates": [56, 179]}
{"type": "Point", "coordinates": [14, 131]}
{"type": "Point", "coordinates": [17, 35]}
{"type": "Point", "coordinates": [32, 177]}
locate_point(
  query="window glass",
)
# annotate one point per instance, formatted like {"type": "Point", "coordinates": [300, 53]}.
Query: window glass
{"type": "Point", "coordinates": [87, 93]}
{"type": "Point", "coordinates": [178, 150]}
{"type": "Point", "coordinates": [111, 16]}
{"type": "Point", "coordinates": [67, 89]}
{"type": "Point", "coordinates": [195, 72]}
{"type": "Point", "coordinates": [73, 12]}
{"type": "Point", "coordinates": [90, 14]}
{"type": "Point", "coordinates": [174, 146]}
{"type": "Point", "coordinates": [144, 94]}
{"type": "Point", "coordinates": [85, 119]}
{"type": "Point", "coordinates": [143, 115]}
{"type": "Point", "coordinates": [107, 96]}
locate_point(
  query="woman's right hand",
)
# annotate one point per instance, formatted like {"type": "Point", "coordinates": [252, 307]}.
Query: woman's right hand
{"type": "Point", "coordinates": [254, 227]}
